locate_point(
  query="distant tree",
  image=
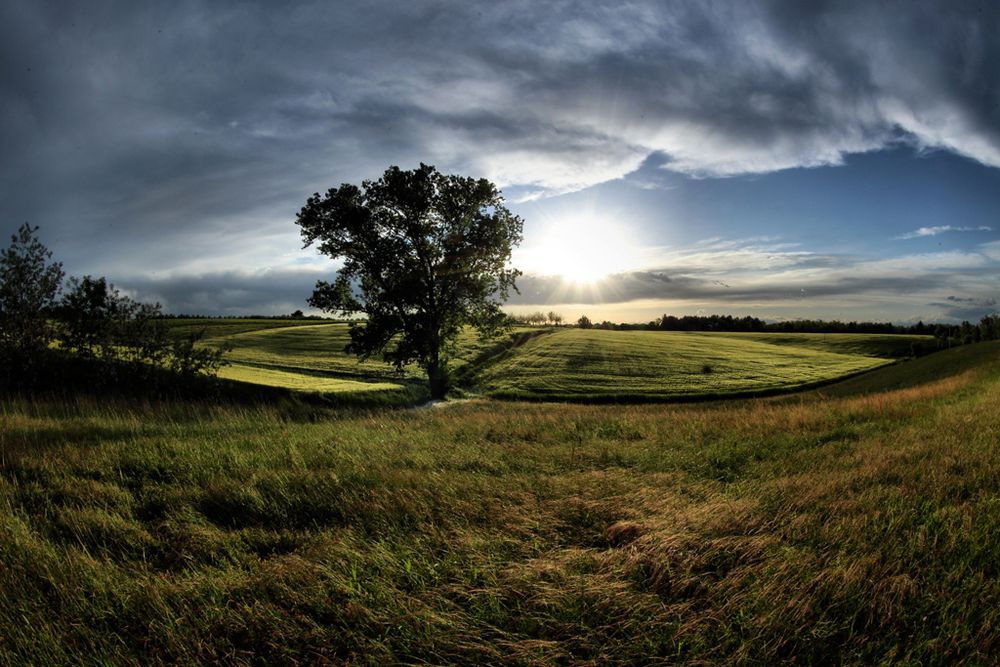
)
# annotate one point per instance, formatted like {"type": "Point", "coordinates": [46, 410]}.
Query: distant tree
{"type": "Point", "coordinates": [29, 284]}
{"type": "Point", "coordinates": [424, 255]}
{"type": "Point", "coordinates": [188, 359]}
{"type": "Point", "coordinates": [297, 314]}
{"type": "Point", "coordinates": [989, 327]}
{"type": "Point", "coordinates": [966, 332]}
{"type": "Point", "coordinates": [584, 322]}
{"type": "Point", "coordinates": [554, 317]}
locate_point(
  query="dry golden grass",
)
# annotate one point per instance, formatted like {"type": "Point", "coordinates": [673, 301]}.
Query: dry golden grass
{"type": "Point", "coordinates": [834, 526]}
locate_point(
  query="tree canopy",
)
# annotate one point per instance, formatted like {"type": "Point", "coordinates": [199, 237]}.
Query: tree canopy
{"type": "Point", "coordinates": [424, 254]}
{"type": "Point", "coordinates": [29, 284]}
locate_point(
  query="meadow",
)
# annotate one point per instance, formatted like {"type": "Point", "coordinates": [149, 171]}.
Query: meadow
{"type": "Point", "coordinates": [558, 364]}
{"type": "Point", "coordinates": [309, 356]}
{"type": "Point", "coordinates": [597, 365]}
{"type": "Point", "coordinates": [855, 523]}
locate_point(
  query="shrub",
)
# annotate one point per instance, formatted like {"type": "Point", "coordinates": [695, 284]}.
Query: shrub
{"type": "Point", "coordinates": [29, 284]}
{"type": "Point", "coordinates": [99, 322]}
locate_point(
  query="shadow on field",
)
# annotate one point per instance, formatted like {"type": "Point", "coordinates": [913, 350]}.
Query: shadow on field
{"type": "Point", "coordinates": [913, 372]}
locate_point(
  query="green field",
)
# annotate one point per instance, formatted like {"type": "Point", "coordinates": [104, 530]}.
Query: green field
{"type": "Point", "coordinates": [310, 348]}
{"type": "Point", "coordinates": [308, 356]}
{"type": "Point", "coordinates": [299, 381]}
{"type": "Point", "coordinates": [560, 364]}
{"type": "Point", "coordinates": [886, 346]}
{"type": "Point", "coordinates": [219, 327]}
{"type": "Point", "coordinates": [607, 365]}
{"type": "Point", "coordinates": [852, 524]}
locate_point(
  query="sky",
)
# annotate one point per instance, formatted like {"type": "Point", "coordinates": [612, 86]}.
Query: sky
{"type": "Point", "coordinates": [781, 159]}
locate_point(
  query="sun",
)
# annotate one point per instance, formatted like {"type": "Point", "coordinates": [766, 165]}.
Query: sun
{"type": "Point", "coordinates": [583, 249]}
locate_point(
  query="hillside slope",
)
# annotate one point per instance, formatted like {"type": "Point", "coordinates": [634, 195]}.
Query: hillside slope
{"type": "Point", "coordinates": [597, 365]}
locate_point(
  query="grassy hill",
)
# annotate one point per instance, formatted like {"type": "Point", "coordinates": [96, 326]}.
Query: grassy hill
{"type": "Point", "coordinates": [308, 356]}
{"type": "Point", "coordinates": [558, 364]}
{"type": "Point", "coordinates": [220, 327]}
{"type": "Point", "coordinates": [593, 365]}
{"type": "Point", "coordinates": [850, 524]}
{"type": "Point", "coordinates": [886, 346]}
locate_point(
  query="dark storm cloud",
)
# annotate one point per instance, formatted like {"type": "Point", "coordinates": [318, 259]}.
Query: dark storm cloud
{"type": "Point", "coordinates": [228, 292]}
{"type": "Point", "coordinates": [658, 286]}
{"type": "Point", "coordinates": [967, 308]}
{"type": "Point", "coordinates": [182, 137]}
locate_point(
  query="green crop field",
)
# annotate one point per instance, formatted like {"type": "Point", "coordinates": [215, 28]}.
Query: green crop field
{"type": "Point", "coordinates": [560, 364]}
{"type": "Point", "coordinates": [307, 356]}
{"type": "Point", "coordinates": [887, 346]}
{"type": "Point", "coordinates": [580, 364]}
{"type": "Point", "coordinates": [304, 348]}
{"type": "Point", "coordinates": [851, 524]}
{"type": "Point", "coordinates": [299, 381]}
{"type": "Point", "coordinates": [219, 327]}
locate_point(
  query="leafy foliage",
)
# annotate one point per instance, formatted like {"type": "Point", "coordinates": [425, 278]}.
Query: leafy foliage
{"type": "Point", "coordinates": [99, 322]}
{"type": "Point", "coordinates": [424, 255]}
{"type": "Point", "coordinates": [110, 338]}
{"type": "Point", "coordinates": [29, 284]}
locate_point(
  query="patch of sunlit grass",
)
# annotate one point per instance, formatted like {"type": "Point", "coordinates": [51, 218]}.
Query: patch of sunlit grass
{"type": "Point", "coordinates": [597, 365]}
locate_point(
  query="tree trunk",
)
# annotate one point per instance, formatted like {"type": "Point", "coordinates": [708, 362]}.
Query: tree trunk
{"type": "Point", "coordinates": [437, 379]}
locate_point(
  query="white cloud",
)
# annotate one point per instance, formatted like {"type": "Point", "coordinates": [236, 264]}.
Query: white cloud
{"type": "Point", "coordinates": [991, 250]}
{"type": "Point", "coordinates": [940, 229]}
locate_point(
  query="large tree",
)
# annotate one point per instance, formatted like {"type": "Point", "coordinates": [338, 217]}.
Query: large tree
{"type": "Point", "coordinates": [424, 254]}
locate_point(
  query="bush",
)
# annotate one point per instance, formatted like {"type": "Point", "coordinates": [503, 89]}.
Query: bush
{"type": "Point", "coordinates": [99, 322]}
{"type": "Point", "coordinates": [29, 284]}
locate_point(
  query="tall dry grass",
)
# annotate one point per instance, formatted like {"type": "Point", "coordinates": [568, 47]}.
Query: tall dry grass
{"type": "Point", "coordinates": [849, 525]}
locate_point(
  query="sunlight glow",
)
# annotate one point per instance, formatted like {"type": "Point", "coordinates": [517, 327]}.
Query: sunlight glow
{"type": "Point", "coordinates": [583, 250]}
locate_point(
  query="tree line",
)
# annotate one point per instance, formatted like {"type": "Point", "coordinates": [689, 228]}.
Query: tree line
{"type": "Point", "coordinates": [538, 318]}
{"type": "Point", "coordinates": [947, 334]}
{"type": "Point", "coordinates": [84, 332]}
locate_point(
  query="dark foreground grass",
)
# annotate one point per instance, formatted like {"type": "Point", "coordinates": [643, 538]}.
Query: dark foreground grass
{"type": "Point", "coordinates": [859, 528]}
